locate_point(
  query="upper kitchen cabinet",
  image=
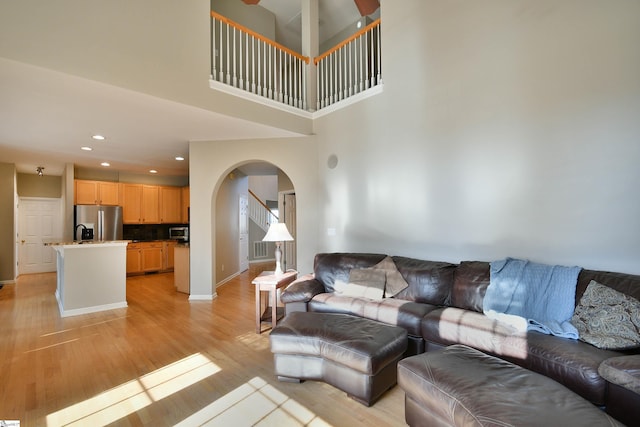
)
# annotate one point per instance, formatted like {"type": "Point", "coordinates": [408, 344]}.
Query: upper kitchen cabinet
{"type": "Point", "coordinates": [150, 204]}
{"type": "Point", "coordinates": [140, 204]}
{"type": "Point", "coordinates": [131, 203]}
{"type": "Point", "coordinates": [96, 193]}
{"type": "Point", "coordinates": [185, 205]}
{"type": "Point", "coordinates": [170, 205]}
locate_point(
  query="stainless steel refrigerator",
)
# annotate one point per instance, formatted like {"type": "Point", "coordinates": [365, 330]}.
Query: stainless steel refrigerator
{"type": "Point", "coordinates": [100, 223]}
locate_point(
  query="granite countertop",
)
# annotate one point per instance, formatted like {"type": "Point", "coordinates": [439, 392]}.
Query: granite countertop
{"type": "Point", "coordinates": [54, 242]}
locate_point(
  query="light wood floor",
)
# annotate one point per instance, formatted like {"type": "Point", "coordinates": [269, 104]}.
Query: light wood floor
{"type": "Point", "coordinates": [162, 361]}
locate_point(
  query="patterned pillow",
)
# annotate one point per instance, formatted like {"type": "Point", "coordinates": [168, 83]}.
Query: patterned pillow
{"type": "Point", "coordinates": [363, 282]}
{"type": "Point", "coordinates": [607, 318]}
{"type": "Point", "coordinates": [395, 281]}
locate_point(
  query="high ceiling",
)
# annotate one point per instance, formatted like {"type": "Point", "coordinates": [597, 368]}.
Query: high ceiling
{"type": "Point", "coordinates": [47, 116]}
{"type": "Point", "coordinates": [335, 16]}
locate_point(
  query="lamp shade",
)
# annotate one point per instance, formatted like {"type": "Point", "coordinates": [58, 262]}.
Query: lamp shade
{"type": "Point", "coordinates": [277, 233]}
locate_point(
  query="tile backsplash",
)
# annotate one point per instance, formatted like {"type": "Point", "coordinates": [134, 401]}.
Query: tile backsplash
{"type": "Point", "coordinates": [147, 232]}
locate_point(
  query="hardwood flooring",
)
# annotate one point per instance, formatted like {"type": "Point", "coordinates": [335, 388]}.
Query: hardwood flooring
{"type": "Point", "coordinates": [162, 361]}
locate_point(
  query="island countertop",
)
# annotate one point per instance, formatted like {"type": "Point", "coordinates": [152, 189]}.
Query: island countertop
{"type": "Point", "coordinates": [54, 242]}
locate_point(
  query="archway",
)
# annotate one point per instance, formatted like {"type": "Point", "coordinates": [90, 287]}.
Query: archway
{"type": "Point", "coordinates": [261, 185]}
{"type": "Point", "coordinates": [210, 162]}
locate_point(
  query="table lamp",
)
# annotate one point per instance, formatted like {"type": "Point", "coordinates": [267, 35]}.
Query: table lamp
{"type": "Point", "coordinates": [278, 233]}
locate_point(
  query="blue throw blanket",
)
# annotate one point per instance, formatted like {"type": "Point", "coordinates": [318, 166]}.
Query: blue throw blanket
{"type": "Point", "coordinates": [540, 297]}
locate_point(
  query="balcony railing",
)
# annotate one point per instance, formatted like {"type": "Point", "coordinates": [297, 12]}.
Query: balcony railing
{"type": "Point", "coordinates": [351, 67]}
{"type": "Point", "coordinates": [248, 61]}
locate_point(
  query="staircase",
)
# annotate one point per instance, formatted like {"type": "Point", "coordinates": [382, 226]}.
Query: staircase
{"type": "Point", "coordinates": [260, 214]}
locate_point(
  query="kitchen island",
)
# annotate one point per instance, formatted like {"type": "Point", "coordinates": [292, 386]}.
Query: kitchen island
{"type": "Point", "coordinates": [91, 276]}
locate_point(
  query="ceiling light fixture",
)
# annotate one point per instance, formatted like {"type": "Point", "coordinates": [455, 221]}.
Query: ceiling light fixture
{"type": "Point", "coordinates": [153, 171]}
{"type": "Point", "coordinates": [179, 158]}
{"type": "Point", "coordinates": [105, 164]}
{"type": "Point", "coordinates": [40, 170]}
{"type": "Point", "coordinates": [85, 148]}
{"type": "Point", "coordinates": [98, 137]}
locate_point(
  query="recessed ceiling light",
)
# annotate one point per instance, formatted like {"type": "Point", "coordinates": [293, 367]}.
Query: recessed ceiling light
{"type": "Point", "coordinates": [153, 171]}
{"type": "Point", "coordinates": [179, 158]}
{"type": "Point", "coordinates": [105, 164]}
{"type": "Point", "coordinates": [86, 148]}
{"type": "Point", "coordinates": [98, 137]}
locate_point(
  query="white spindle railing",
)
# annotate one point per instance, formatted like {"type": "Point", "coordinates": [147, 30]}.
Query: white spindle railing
{"type": "Point", "coordinates": [351, 67]}
{"type": "Point", "coordinates": [249, 61]}
{"type": "Point", "coordinates": [260, 213]}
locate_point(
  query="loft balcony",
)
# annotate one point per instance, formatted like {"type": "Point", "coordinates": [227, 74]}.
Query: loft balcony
{"type": "Point", "coordinates": [247, 64]}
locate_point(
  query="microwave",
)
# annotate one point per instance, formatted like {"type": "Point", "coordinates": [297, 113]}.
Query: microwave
{"type": "Point", "coordinates": [179, 233]}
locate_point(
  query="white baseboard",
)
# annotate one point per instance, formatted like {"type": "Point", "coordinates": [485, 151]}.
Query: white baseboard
{"type": "Point", "coordinates": [203, 297]}
{"type": "Point", "coordinates": [87, 310]}
{"type": "Point", "coordinates": [227, 280]}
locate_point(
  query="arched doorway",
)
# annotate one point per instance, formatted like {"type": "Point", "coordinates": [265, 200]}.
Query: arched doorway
{"type": "Point", "coordinates": [238, 231]}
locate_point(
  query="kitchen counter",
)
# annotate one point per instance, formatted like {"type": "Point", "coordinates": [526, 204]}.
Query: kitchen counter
{"type": "Point", "coordinates": [91, 276]}
{"type": "Point", "coordinates": [84, 242]}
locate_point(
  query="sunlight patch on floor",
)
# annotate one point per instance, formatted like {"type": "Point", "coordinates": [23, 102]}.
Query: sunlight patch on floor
{"type": "Point", "coordinates": [254, 341]}
{"type": "Point", "coordinates": [134, 395]}
{"type": "Point", "coordinates": [255, 403]}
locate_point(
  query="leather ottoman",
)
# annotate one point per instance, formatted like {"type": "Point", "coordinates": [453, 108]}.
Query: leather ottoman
{"type": "Point", "coordinates": [461, 386]}
{"type": "Point", "coordinates": [356, 355]}
{"type": "Point", "coordinates": [623, 387]}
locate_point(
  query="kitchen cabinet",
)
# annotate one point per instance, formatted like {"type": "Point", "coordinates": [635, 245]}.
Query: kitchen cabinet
{"type": "Point", "coordinates": [168, 253]}
{"type": "Point", "coordinates": [131, 203]}
{"type": "Point", "coordinates": [134, 258]}
{"type": "Point", "coordinates": [143, 257]}
{"type": "Point", "coordinates": [151, 256]}
{"type": "Point", "coordinates": [185, 205]}
{"type": "Point", "coordinates": [140, 204]}
{"type": "Point", "coordinates": [170, 205]}
{"type": "Point", "coordinates": [150, 204]}
{"type": "Point", "coordinates": [96, 193]}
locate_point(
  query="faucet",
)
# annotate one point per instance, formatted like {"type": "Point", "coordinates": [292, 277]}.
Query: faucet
{"type": "Point", "coordinates": [75, 231]}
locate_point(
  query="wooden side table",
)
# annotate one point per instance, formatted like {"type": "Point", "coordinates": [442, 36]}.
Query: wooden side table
{"type": "Point", "coordinates": [271, 283]}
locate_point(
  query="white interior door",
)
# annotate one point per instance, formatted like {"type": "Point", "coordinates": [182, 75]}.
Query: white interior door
{"type": "Point", "coordinates": [38, 219]}
{"type": "Point", "coordinates": [243, 232]}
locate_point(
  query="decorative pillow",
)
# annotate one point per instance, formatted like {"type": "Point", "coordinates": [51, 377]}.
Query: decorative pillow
{"type": "Point", "coordinates": [607, 318]}
{"type": "Point", "coordinates": [395, 281]}
{"type": "Point", "coordinates": [363, 282]}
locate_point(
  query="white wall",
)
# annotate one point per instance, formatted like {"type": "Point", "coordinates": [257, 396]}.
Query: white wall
{"type": "Point", "coordinates": [210, 162]}
{"type": "Point", "coordinates": [506, 128]}
{"type": "Point", "coordinates": [157, 47]}
{"type": "Point", "coordinates": [264, 186]}
{"type": "Point", "coordinates": [227, 225]}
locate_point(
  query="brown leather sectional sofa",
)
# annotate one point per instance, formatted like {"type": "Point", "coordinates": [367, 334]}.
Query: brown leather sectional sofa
{"type": "Point", "coordinates": [443, 305]}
